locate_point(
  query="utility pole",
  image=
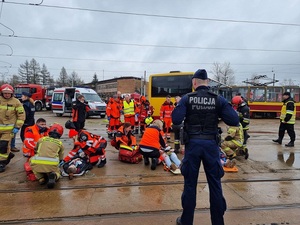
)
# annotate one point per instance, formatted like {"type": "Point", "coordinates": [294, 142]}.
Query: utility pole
{"type": "Point", "coordinates": [145, 73]}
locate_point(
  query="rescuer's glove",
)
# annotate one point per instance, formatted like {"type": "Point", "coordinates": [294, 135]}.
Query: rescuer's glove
{"type": "Point", "coordinates": [15, 130]}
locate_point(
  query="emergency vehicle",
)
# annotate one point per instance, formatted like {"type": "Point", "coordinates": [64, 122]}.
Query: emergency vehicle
{"type": "Point", "coordinates": [37, 91]}
{"type": "Point", "coordinates": [62, 99]}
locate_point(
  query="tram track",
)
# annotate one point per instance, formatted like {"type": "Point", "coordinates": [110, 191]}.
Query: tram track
{"type": "Point", "coordinates": [134, 214]}
{"type": "Point", "coordinates": [142, 184]}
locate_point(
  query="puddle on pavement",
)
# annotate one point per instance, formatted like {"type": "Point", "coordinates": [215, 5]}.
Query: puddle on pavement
{"type": "Point", "coordinates": [291, 159]}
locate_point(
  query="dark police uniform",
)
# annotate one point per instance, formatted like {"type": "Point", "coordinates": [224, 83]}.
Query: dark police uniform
{"type": "Point", "coordinates": [200, 111]}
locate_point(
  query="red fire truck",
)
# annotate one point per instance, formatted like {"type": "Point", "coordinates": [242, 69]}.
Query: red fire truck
{"type": "Point", "coordinates": [38, 94]}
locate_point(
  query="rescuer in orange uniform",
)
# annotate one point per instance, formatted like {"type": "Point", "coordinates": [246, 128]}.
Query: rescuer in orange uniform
{"type": "Point", "coordinates": [92, 145]}
{"type": "Point", "coordinates": [165, 115]}
{"type": "Point", "coordinates": [12, 118]}
{"type": "Point", "coordinates": [31, 136]}
{"type": "Point", "coordinates": [49, 153]}
{"type": "Point", "coordinates": [145, 109]}
{"type": "Point", "coordinates": [124, 137]}
{"type": "Point", "coordinates": [113, 112]}
{"type": "Point", "coordinates": [151, 142]}
{"type": "Point", "coordinates": [129, 110]}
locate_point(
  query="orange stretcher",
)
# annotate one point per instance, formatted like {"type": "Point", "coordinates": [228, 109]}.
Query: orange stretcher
{"type": "Point", "coordinates": [231, 170]}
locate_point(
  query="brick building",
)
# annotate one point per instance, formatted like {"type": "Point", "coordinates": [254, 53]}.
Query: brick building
{"type": "Point", "coordinates": [106, 88]}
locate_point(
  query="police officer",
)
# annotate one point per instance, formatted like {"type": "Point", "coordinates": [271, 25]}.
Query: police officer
{"type": "Point", "coordinates": [201, 111]}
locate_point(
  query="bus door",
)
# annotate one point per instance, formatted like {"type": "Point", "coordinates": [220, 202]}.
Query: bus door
{"type": "Point", "coordinates": [69, 96]}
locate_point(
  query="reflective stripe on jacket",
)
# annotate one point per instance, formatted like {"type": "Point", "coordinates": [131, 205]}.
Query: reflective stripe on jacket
{"type": "Point", "coordinates": [11, 113]}
{"type": "Point", "coordinates": [128, 108]}
{"type": "Point", "coordinates": [284, 112]}
{"type": "Point", "coordinates": [44, 160]}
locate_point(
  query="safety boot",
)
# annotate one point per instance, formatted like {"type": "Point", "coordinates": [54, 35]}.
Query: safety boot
{"type": "Point", "coordinates": [10, 156]}
{"type": "Point", "coordinates": [2, 168]}
{"type": "Point", "coordinates": [178, 221]}
{"type": "Point", "coordinates": [146, 161]}
{"type": "Point", "coordinates": [153, 163]}
{"type": "Point", "coordinates": [246, 153]}
{"type": "Point", "coordinates": [51, 180]}
{"type": "Point", "coordinates": [42, 181]}
{"type": "Point", "coordinates": [279, 141]}
{"type": "Point", "coordinates": [290, 144]}
{"type": "Point", "coordinates": [14, 149]}
{"type": "Point", "coordinates": [102, 163]}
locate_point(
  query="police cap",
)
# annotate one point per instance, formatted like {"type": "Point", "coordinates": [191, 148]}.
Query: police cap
{"type": "Point", "coordinates": [27, 94]}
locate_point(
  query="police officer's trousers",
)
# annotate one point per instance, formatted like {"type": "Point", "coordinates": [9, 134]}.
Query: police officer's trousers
{"type": "Point", "coordinates": [207, 151]}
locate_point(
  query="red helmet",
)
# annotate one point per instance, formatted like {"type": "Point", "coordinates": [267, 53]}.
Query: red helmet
{"type": "Point", "coordinates": [56, 130]}
{"type": "Point", "coordinates": [6, 88]}
{"type": "Point", "coordinates": [236, 100]}
{"type": "Point", "coordinates": [143, 98]}
{"type": "Point", "coordinates": [83, 136]}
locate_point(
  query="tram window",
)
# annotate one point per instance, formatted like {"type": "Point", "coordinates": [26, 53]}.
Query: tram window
{"type": "Point", "coordinates": [274, 94]}
{"type": "Point", "coordinates": [259, 94]}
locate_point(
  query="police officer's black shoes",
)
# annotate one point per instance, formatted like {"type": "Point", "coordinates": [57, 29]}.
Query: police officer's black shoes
{"type": "Point", "coordinates": [277, 141]}
{"type": "Point", "coordinates": [290, 144]}
{"type": "Point", "coordinates": [178, 221]}
{"type": "Point", "coordinates": [146, 161]}
{"type": "Point", "coordinates": [153, 163]}
{"type": "Point", "coordinates": [51, 180]}
{"type": "Point", "coordinates": [2, 168]}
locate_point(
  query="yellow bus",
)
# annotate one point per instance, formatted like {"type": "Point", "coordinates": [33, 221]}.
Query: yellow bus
{"type": "Point", "coordinates": [176, 83]}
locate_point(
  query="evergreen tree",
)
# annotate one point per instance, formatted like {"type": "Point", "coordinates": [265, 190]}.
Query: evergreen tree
{"type": "Point", "coordinates": [94, 81]}
{"type": "Point", "coordinates": [25, 73]}
{"type": "Point", "coordinates": [63, 78]}
{"type": "Point", "coordinates": [35, 70]}
{"type": "Point", "coordinates": [45, 75]}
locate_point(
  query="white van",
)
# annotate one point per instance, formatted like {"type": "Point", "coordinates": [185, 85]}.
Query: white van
{"type": "Point", "coordinates": [62, 99]}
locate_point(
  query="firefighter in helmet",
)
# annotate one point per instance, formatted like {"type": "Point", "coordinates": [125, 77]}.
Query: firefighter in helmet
{"type": "Point", "coordinates": [49, 154]}
{"type": "Point", "coordinates": [243, 110]}
{"type": "Point", "coordinates": [12, 118]}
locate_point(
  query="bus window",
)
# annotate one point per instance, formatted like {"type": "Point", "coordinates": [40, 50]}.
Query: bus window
{"type": "Point", "coordinates": [171, 85]}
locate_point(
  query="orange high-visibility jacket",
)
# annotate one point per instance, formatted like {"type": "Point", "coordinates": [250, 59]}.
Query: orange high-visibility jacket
{"type": "Point", "coordinates": [31, 137]}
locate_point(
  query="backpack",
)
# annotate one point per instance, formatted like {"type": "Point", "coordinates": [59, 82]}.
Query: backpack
{"type": "Point", "coordinates": [129, 155]}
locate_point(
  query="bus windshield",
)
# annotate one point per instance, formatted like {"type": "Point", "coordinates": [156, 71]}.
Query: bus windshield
{"type": "Point", "coordinates": [92, 97]}
{"type": "Point", "coordinates": [171, 85]}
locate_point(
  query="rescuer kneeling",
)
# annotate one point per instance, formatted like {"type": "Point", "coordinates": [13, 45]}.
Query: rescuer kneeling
{"type": "Point", "coordinates": [49, 152]}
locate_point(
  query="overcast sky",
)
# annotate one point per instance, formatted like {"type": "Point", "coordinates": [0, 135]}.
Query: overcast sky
{"type": "Point", "coordinates": [127, 37]}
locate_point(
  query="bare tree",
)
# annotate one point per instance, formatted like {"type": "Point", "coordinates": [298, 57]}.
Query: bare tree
{"type": "Point", "coordinates": [223, 73]}
{"type": "Point", "coordinates": [74, 80]}
{"type": "Point", "coordinates": [14, 80]}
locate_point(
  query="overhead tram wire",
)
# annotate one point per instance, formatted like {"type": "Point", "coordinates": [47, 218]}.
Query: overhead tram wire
{"type": "Point", "coordinates": [151, 45]}
{"type": "Point", "coordinates": [156, 15]}
{"type": "Point", "coordinates": [148, 62]}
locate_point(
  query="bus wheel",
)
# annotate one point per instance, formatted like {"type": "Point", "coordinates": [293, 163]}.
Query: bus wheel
{"type": "Point", "coordinates": [38, 106]}
{"type": "Point", "coordinates": [59, 114]}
